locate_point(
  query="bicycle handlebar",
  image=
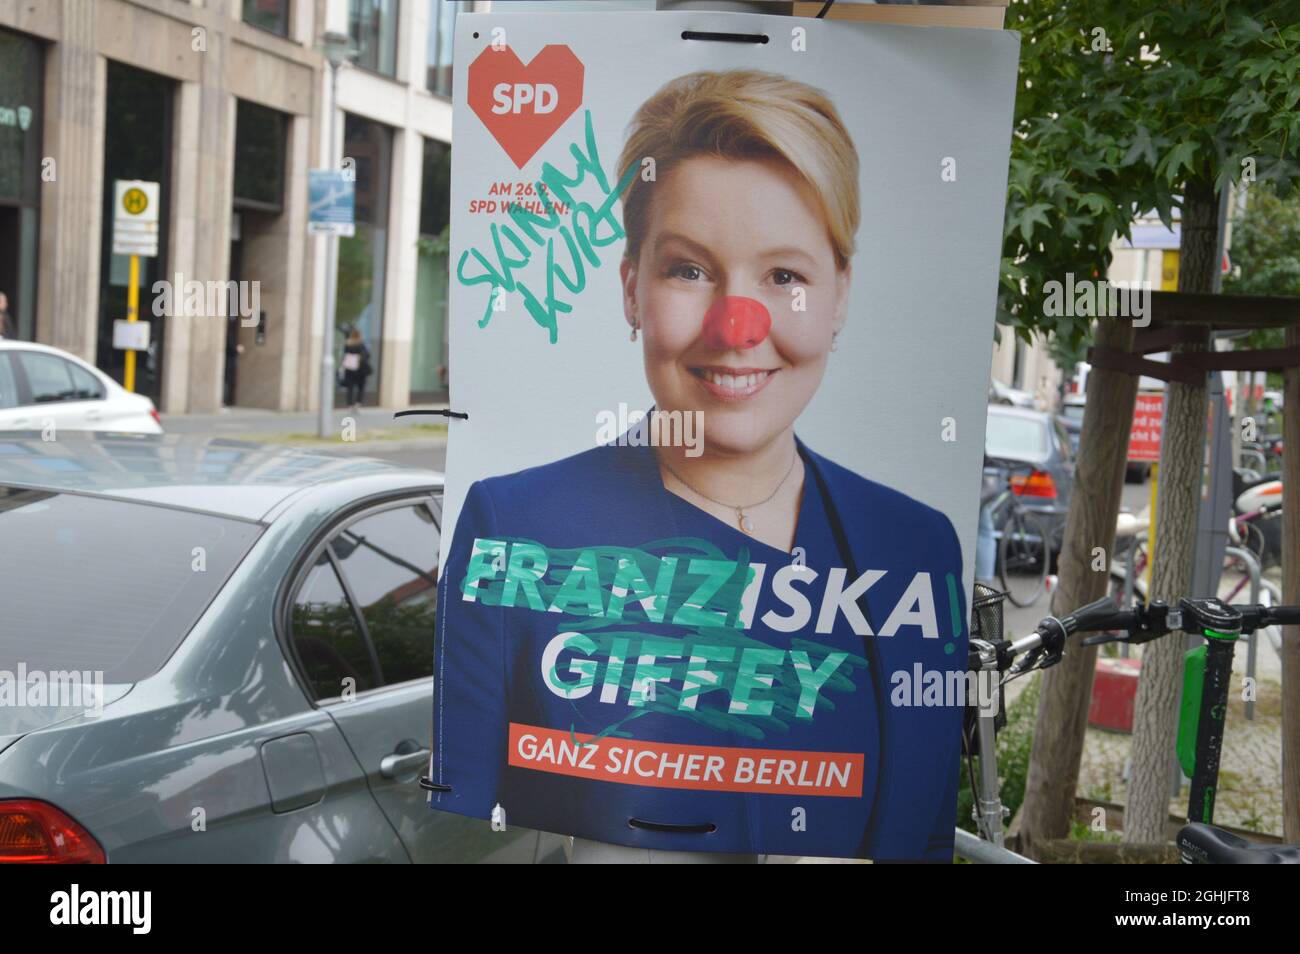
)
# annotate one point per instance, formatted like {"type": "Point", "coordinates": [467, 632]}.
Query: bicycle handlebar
{"type": "Point", "coordinates": [1140, 624]}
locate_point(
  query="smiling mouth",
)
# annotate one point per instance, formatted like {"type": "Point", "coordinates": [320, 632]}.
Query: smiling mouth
{"type": "Point", "coordinates": [733, 383]}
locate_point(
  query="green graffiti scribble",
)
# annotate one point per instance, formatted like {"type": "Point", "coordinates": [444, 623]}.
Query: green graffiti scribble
{"type": "Point", "coordinates": [954, 611]}
{"type": "Point", "coordinates": [602, 590]}
{"type": "Point", "coordinates": [581, 236]}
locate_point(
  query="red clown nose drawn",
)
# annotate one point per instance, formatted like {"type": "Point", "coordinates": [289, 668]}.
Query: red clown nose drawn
{"type": "Point", "coordinates": [735, 324]}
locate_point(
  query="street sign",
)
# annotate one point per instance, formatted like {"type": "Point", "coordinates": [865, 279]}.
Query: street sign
{"type": "Point", "coordinates": [135, 217]}
{"type": "Point", "coordinates": [130, 335]}
{"type": "Point", "coordinates": [1148, 422]}
{"type": "Point", "coordinates": [330, 202]}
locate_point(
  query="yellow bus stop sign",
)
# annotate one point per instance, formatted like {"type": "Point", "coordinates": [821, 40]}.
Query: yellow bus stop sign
{"type": "Point", "coordinates": [135, 201]}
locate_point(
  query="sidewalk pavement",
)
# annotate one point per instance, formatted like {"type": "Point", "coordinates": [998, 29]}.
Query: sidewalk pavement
{"type": "Point", "coordinates": [375, 428]}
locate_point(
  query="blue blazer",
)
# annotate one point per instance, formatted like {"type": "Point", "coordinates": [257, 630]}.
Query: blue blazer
{"type": "Point", "coordinates": [488, 670]}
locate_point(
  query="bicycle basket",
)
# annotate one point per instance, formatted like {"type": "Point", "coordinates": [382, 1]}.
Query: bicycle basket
{"type": "Point", "coordinates": [986, 612]}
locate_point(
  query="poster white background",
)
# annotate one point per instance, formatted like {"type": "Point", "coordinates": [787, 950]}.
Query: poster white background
{"type": "Point", "coordinates": [917, 346]}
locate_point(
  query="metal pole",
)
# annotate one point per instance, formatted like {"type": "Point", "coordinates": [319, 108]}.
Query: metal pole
{"type": "Point", "coordinates": [980, 852]}
{"type": "Point", "coordinates": [1252, 570]}
{"type": "Point", "coordinates": [989, 799]}
{"type": "Point", "coordinates": [132, 314]}
{"type": "Point", "coordinates": [327, 383]}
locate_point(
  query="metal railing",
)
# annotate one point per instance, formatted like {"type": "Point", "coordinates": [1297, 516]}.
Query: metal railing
{"type": "Point", "coordinates": [978, 851]}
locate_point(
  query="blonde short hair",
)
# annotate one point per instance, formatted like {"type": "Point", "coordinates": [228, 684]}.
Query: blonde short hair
{"type": "Point", "coordinates": [745, 114]}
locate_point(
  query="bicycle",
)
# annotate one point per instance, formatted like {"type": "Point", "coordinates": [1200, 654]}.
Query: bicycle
{"type": "Point", "coordinates": [1024, 555]}
{"type": "Point", "coordinates": [1205, 694]}
{"type": "Point", "coordinates": [1131, 539]}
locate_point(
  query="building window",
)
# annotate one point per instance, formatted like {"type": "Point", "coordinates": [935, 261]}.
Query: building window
{"type": "Point", "coordinates": [429, 327]}
{"type": "Point", "coordinates": [437, 53]}
{"type": "Point", "coordinates": [372, 25]}
{"type": "Point", "coordinates": [22, 117]}
{"type": "Point", "coordinates": [272, 15]}
{"type": "Point", "coordinates": [364, 255]}
{"type": "Point", "coordinates": [259, 157]}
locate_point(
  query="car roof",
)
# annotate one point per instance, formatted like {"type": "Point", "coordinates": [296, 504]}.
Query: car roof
{"type": "Point", "coordinates": [233, 478]}
{"type": "Point", "coordinates": [1007, 410]}
{"type": "Point", "coordinates": [16, 344]}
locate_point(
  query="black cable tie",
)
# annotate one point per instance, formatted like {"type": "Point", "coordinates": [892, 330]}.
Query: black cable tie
{"type": "Point", "coordinates": [822, 12]}
{"type": "Point", "coordinates": [439, 412]}
{"type": "Point", "coordinates": [429, 785]}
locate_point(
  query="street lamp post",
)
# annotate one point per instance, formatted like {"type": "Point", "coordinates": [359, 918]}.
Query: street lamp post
{"type": "Point", "coordinates": [337, 48]}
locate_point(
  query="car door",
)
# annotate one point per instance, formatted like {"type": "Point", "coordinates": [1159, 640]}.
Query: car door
{"type": "Point", "coordinates": [368, 660]}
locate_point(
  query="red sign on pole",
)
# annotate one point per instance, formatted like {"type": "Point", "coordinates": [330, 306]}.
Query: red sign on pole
{"type": "Point", "coordinates": [1148, 419]}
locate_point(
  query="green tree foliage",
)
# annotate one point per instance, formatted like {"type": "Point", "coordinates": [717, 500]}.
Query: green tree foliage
{"type": "Point", "coordinates": [1266, 256]}
{"type": "Point", "coordinates": [1121, 106]}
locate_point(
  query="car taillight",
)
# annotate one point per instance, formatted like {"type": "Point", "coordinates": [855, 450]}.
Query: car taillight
{"type": "Point", "coordinates": [33, 832]}
{"type": "Point", "coordinates": [1037, 484]}
{"type": "Point", "coordinates": [157, 418]}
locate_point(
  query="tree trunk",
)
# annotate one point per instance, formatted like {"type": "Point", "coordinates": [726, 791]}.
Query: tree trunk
{"type": "Point", "coordinates": [1155, 716]}
{"type": "Point", "coordinates": [1090, 524]}
{"type": "Point", "coordinates": [1291, 595]}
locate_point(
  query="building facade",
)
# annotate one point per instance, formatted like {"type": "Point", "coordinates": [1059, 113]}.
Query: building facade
{"type": "Point", "coordinates": [225, 104]}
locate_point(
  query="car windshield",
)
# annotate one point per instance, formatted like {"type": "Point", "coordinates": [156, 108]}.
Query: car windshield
{"type": "Point", "coordinates": [91, 584]}
{"type": "Point", "coordinates": [1073, 411]}
{"type": "Point", "coordinates": [1015, 437]}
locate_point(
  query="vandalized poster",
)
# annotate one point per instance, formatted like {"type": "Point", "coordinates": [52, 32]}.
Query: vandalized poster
{"type": "Point", "coordinates": [720, 318]}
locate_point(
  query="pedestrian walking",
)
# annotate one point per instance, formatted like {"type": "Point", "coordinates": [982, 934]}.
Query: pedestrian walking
{"type": "Point", "coordinates": [8, 324]}
{"type": "Point", "coordinates": [356, 367]}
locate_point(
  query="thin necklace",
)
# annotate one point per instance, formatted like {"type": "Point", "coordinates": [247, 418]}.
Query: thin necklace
{"type": "Point", "coordinates": [746, 522]}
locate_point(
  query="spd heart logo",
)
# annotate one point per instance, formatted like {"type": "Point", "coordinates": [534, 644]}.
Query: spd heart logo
{"type": "Point", "coordinates": [523, 106]}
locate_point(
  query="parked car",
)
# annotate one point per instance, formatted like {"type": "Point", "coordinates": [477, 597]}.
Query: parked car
{"type": "Point", "coordinates": [1039, 440]}
{"type": "Point", "coordinates": [262, 622]}
{"type": "Point", "coordinates": [42, 386]}
{"type": "Point", "coordinates": [1071, 418]}
{"type": "Point", "coordinates": [1000, 393]}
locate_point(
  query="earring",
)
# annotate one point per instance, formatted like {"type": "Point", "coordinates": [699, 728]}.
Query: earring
{"type": "Point", "coordinates": [835, 335]}
{"type": "Point", "coordinates": [635, 325]}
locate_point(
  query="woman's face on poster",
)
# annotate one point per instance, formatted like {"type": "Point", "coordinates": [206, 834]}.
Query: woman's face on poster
{"type": "Point", "coordinates": [738, 295]}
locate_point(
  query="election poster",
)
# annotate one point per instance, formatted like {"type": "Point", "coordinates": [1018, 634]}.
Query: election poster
{"type": "Point", "coordinates": [721, 313]}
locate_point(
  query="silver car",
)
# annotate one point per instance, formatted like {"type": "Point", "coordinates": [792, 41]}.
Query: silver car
{"type": "Point", "coordinates": [213, 651]}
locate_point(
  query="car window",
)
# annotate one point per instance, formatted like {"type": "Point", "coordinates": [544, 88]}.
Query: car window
{"type": "Point", "coordinates": [390, 562]}
{"type": "Point", "coordinates": [1015, 437]}
{"type": "Point", "coordinates": [85, 386]}
{"type": "Point", "coordinates": [135, 595]}
{"type": "Point", "coordinates": [8, 384]}
{"type": "Point", "coordinates": [47, 376]}
{"type": "Point", "coordinates": [326, 637]}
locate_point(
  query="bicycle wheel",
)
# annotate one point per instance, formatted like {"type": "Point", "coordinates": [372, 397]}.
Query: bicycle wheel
{"type": "Point", "coordinates": [1023, 558]}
